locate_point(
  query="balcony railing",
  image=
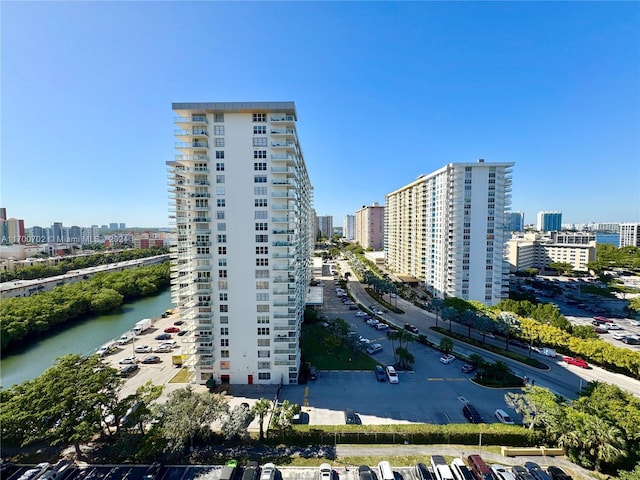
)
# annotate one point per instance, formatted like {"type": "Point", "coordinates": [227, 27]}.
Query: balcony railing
{"type": "Point", "coordinates": [282, 118]}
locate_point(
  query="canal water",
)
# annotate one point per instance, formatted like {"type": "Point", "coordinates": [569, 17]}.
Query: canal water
{"type": "Point", "coordinates": [82, 337]}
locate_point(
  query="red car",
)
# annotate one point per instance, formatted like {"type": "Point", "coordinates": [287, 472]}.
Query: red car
{"type": "Point", "coordinates": [576, 361]}
{"type": "Point", "coordinates": [603, 319]}
{"type": "Point", "coordinates": [171, 330]}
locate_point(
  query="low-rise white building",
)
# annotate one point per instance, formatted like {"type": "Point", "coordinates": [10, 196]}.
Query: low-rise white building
{"type": "Point", "coordinates": [535, 250]}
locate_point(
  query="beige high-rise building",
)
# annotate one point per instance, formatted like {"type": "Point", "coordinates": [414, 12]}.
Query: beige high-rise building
{"type": "Point", "coordinates": [369, 231]}
{"type": "Point", "coordinates": [241, 204]}
{"type": "Point", "coordinates": [447, 230]}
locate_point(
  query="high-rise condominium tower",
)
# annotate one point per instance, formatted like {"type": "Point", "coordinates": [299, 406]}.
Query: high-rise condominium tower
{"type": "Point", "coordinates": [447, 230]}
{"type": "Point", "coordinates": [241, 200]}
{"type": "Point", "coordinates": [629, 235]}
{"type": "Point", "coordinates": [370, 226]}
{"type": "Point", "coordinates": [549, 221]}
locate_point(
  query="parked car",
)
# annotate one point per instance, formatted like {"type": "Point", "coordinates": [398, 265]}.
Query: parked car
{"type": "Point", "coordinates": [392, 375]}
{"type": "Point", "coordinates": [251, 471]}
{"type": "Point", "coordinates": [501, 473]}
{"type": "Point", "coordinates": [163, 336]}
{"type": "Point", "coordinates": [365, 473]}
{"type": "Point", "coordinates": [447, 358]}
{"type": "Point", "coordinates": [142, 349]}
{"type": "Point", "coordinates": [536, 471]}
{"type": "Point", "coordinates": [468, 367]}
{"type": "Point", "coordinates": [612, 326]}
{"type": "Point", "coordinates": [372, 322]}
{"type": "Point", "coordinates": [151, 359]}
{"type": "Point", "coordinates": [181, 333]}
{"type": "Point", "coordinates": [521, 473]}
{"type": "Point", "coordinates": [171, 330]}
{"type": "Point", "coordinates": [268, 471]}
{"type": "Point", "coordinates": [128, 361]}
{"type": "Point", "coordinates": [313, 373]}
{"type": "Point", "coordinates": [325, 471]}
{"type": "Point", "coordinates": [503, 417]}
{"type": "Point", "coordinates": [374, 348]}
{"type": "Point", "coordinates": [377, 311]}
{"type": "Point", "coordinates": [162, 348]}
{"type": "Point", "coordinates": [631, 340]}
{"type": "Point", "coordinates": [471, 414]}
{"type": "Point", "coordinates": [128, 370]}
{"type": "Point", "coordinates": [351, 418]}
{"type": "Point", "coordinates": [381, 376]}
{"type": "Point", "coordinates": [576, 361]}
{"type": "Point", "coordinates": [411, 328]}
{"type": "Point", "coordinates": [423, 473]}
{"type": "Point", "coordinates": [178, 322]}
{"type": "Point", "coordinates": [381, 326]}
{"type": "Point", "coordinates": [558, 474]}
{"type": "Point", "coordinates": [360, 313]}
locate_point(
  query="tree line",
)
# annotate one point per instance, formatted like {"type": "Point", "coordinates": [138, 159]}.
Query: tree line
{"type": "Point", "coordinates": [600, 430]}
{"type": "Point", "coordinates": [22, 317]}
{"type": "Point", "coordinates": [76, 401]}
{"type": "Point", "coordinates": [537, 324]}
{"type": "Point", "coordinates": [65, 265]}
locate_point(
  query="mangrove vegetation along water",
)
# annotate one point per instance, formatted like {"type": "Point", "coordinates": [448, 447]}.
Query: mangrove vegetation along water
{"type": "Point", "coordinates": [82, 337]}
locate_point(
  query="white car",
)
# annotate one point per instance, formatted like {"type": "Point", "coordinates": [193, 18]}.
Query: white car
{"type": "Point", "coordinates": [372, 322]}
{"type": "Point", "coordinates": [377, 312]}
{"type": "Point", "coordinates": [618, 336]}
{"type": "Point", "coordinates": [381, 326]}
{"type": "Point", "coordinates": [325, 471]}
{"type": "Point", "coordinates": [171, 343]}
{"type": "Point", "coordinates": [503, 417]}
{"type": "Point", "coordinates": [360, 313]}
{"type": "Point", "coordinates": [612, 326]}
{"type": "Point", "coordinates": [392, 375]}
{"type": "Point", "coordinates": [142, 349]}
{"type": "Point", "coordinates": [128, 361]}
{"type": "Point", "coordinates": [446, 359]}
{"type": "Point", "coordinates": [162, 348]}
{"type": "Point", "coordinates": [364, 340]}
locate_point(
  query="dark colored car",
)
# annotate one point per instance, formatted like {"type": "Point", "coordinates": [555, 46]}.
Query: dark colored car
{"type": "Point", "coordinates": [128, 370]}
{"type": "Point", "coordinates": [153, 471]}
{"type": "Point", "coordinates": [423, 473]}
{"type": "Point", "coordinates": [558, 474]}
{"type": "Point", "coordinates": [178, 322]}
{"type": "Point", "coordinates": [411, 328]}
{"type": "Point", "coordinates": [151, 359]}
{"type": "Point", "coordinates": [163, 336]}
{"type": "Point", "coordinates": [351, 418]}
{"type": "Point", "coordinates": [521, 473]}
{"type": "Point", "coordinates": [181, 333]}
{"type": "Point", "coordinates": [631, 340]}
{"type": "Point", "coordinates": [471, 414]}
{"type": "Point", "coordinates": [536, 471]}
{"type": "Point", "coordinates": [381, 376]}
{"type": "Point", "coordinates": [313, 373]}
{"type": "Point", "coordinates": [365, 473]}
{"type": "Point", "coordinates": [468, 367]}
{"type": "Point", "coordinates": [251, 471]}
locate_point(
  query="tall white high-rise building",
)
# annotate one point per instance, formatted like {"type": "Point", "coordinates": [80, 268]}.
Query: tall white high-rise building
{"type": "Point", "coordinates": [447, 230]}
{"type": "Point", "coordinates": [348, 227]}
{"type": "Point", "coordinates": [241, 200]}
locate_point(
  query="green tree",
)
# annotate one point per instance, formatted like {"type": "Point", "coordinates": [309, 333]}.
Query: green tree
{"type": "Point", "coordinates": [63, 406]}
{"type": "Point", "coordinates": [468, 319]}
{"type": "Point", "coordinates": [449, 314]}
{"type": "Point", "coordinates": [506, 323]}
{"type": "Point", "coordinates": [261, 408]}
{"type": "Point", "coordinates": [436, 304]}
{"type": "Point", "coordinates": [630, 475]}
{"type": "Point", "coordinates": [446, 344]}
{"type": "Point", "coordinates": [188, 414]}
{"type": "Point", "coordinates": [405, 357]}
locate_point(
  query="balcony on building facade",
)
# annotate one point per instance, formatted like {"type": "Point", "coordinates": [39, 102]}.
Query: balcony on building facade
{"type": "Point", "coordinates": [200, 157]}
{"type": "Point", "coordinates": [282, 118]}
{"type": "Point", "coordinates": [195, 118]}
{"type": "Point", "coordinates": [283, 131]}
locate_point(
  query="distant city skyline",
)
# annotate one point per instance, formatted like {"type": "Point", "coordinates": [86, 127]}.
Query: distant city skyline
{"type": "Point", "coordinates": [385, 92]}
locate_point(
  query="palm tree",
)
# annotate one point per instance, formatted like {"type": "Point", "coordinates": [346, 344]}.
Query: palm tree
{"type": "Point", "coordinates": [505, 323]}
{"type": "Point", "coordinates": [436, 304]}
{"type": "Point", "coordinates": [468, 319]}
{"type": "Point", "coordinates": [449, 313]}
{"type": "Point", "coordinates": [602, 440]}
{"type": "Point", "coordinates": [261, 408]}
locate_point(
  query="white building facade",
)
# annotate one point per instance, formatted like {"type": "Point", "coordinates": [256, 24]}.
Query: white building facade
{"type": "Point", "coordinates": [241, 200]}
{"type": "Point", "coordinates": [348, 227]}
{"type": "Point", "coordinates": [537, 250]}
{"type": "Point", "coordinates": [447, 229]}
{"type": "Point", "coordinates": [629, 235]}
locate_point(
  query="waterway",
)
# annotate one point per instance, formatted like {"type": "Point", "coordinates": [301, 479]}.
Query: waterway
{"type": "Point", "coordinates": [83, 337]}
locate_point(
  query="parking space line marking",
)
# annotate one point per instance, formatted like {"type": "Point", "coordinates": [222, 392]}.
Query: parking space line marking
{"type": "Point", "coordinates": [456, 379]}
{"type": "Point", "coordinates": [435, 379]}
{"type": "Point", "coordinates": [305, 402]}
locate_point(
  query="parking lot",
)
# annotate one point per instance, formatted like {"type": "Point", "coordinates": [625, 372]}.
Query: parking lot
{"type": "Point", "coordinates": [431, 393]}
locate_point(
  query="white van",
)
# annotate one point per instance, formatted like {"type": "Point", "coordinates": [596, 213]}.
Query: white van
{"type": "Point", "coordinates": [385, 471]}
{"type": "Point", "coordinates": [440, 468]}
{"type": "Point", "coordinates": [503, 417]}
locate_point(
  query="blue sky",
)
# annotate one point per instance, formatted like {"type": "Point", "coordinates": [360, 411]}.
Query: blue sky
{"type": "Point", "coordinates": [384, 92]}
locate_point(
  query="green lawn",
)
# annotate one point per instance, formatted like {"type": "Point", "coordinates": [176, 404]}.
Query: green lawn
{"type": "Point", "coordinates": [328, 355]}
